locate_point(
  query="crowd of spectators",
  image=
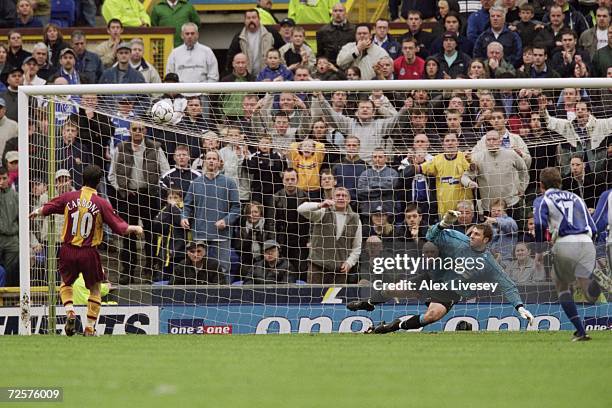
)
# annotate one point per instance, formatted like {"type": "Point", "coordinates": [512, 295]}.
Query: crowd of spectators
{"type": "Point", "coordinates": [277, 188]}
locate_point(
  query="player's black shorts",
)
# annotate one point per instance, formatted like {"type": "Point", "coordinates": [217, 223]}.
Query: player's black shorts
{"type": "Point", "coordinates": [445, 298]}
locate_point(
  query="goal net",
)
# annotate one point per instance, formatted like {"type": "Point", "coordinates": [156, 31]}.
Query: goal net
{"type": "Point", "coordinates": [267, 207]}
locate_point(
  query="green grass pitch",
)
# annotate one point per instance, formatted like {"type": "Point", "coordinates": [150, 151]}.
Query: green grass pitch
{"type": "Point", "coordinates": [505, 369]}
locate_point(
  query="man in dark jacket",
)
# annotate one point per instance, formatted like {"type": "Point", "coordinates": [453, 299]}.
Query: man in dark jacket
{"type": "Point", "coordinates": [197, 269]}
{"type": "Point", "coordinates": [70, 153]}
{"type": "Point", "coordinates": [564, 60]}
{"type": "Point", "coordinates": [40, 52]}
{"type": "Point", "coordinates": [94, 129]}
{"type": "Point", "coordinates": [423, 38]}
{"type": "Point", "coordinates": [265, 168]}
{"type": "Point", "coordinates": [347, 172]}
{"type": "Point", "coordinates": [540, 68]}
{"type": "Point", "coordinates": [333, 36]}
{"type": "Point", "coordinates": [272, 268]}
{"type": "Point", "coordinates": [572, 18]}
{"type": "Point", "coordinates": [413, 229]}
{"type": "Point", "coordinates": [459, 60]}
{"type": "Point", "coordinates": [584, 183]}
{"type": "Point", "coordinates": [122, 72]}
{"type": "Point", "coordinates": [292, 230]}
{"type": "Point", "coordinates": [549, 35]}
{"type": "Point", "coordinates": [88, 64]}
{"type": "Point", "coordinates": [498, 31]}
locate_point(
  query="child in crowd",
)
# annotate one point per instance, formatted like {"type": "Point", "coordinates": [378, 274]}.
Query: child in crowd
{"type": "Point", "coordinates": [526, 27]}
{"type": "Point", "coordinates": [326, 71]}
{"type": "Point", "coordinates": [505, 230]}
{"type": "Point", "coordinates": [528, 232]}
{"type": "Point", "coordinates": [233, 156]}
{"type": "Point", "coordinates": [307, 158]}
{"type": "Point", "coordinates": [274, 69]}
{"type": "Point", "coordinates": [171, 237]}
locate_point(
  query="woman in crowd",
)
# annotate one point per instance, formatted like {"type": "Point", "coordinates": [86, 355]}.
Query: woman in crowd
{"type": "Point", "coordinates": [250, 236]}
{"type": "Point", "coordinates": [54, 40]}
{"type": "Point", "coordinates": [478, 69]}
{"type": "Point", "coordinates": [25, 15]}
{"type": "Point", "coordinates": [432, 68]}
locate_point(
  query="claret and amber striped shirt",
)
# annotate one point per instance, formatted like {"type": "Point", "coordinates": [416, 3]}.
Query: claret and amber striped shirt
{"type": "Point", "coordinates": [84, 215]}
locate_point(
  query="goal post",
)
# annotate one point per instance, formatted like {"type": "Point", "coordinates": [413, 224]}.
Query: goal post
{"type": "Point", "coordinates": [141, 255]}
{"type": "Point", "coordinates": [24, 225]}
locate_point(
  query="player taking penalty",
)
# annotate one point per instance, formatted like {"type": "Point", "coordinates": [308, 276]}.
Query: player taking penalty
{"type": "Point", "coordinates": [571, 227]}
{"type": "Point", "coordinates": [84, 215]}
{"type": "Point", "coordinates": [453, 244]}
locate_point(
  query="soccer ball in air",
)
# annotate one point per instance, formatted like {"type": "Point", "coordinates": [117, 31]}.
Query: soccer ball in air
{"type": "Point", "coordinates": [162, 111]}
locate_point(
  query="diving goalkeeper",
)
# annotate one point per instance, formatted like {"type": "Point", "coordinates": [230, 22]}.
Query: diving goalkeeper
{"type": "Point", "coordinates": [454, 244]}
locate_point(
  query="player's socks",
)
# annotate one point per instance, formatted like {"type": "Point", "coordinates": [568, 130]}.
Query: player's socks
{"type": "Point", "coordinates": [89, 332]}
{"type": "Point", "coordinates": [93, 310]}
{"type": "Point", "coordinates": [569, 307]}
{"type": "Point", "coordinates": [415, 322]}
{"type": "Point", "coordinates": [66, 296]}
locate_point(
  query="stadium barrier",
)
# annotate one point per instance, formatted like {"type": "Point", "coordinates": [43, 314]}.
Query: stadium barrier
{"type": "Point", "coordinates": [287, 319]}
{"type": "Point", "coordinates": [158, 41]}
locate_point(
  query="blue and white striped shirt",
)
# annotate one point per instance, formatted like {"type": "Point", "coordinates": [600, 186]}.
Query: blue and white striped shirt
{"type": "Point", "coordinates": [603, 216]}
{"type": "Point", "coordinates": [563, 213]}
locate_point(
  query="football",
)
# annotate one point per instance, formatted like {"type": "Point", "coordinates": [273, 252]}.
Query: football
{"type": "Point", "coordinates": [162, 111]}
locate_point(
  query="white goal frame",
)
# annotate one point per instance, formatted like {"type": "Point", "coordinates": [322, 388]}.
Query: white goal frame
{"type": "Point", "coordinates": [25, 92]}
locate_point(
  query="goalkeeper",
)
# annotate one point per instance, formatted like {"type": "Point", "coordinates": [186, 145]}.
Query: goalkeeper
{"type": "Point", "coordinates": [454, 244]}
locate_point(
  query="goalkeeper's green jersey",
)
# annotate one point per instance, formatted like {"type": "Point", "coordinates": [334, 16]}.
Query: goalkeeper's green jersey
{"type": "Point", "coordinates": [454, 244]}
{"type": "Point", "coordinates": [80, 293]}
